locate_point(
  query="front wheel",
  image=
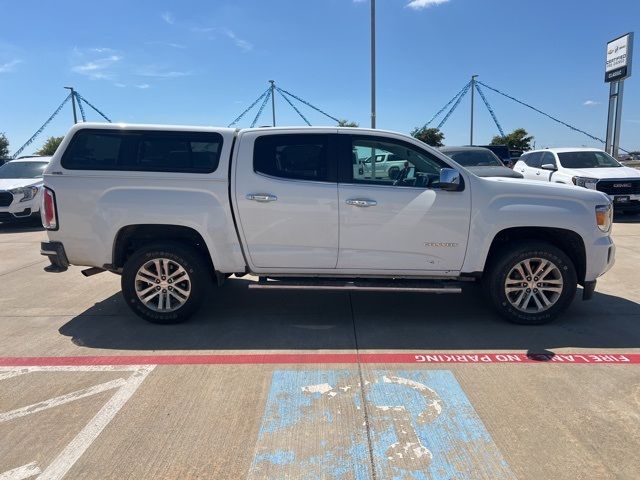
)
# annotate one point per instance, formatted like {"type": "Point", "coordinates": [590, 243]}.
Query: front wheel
{"type": "Point", "coordinates": [531, 283]}
{"type": "Point", "coordinates": [164, 282]}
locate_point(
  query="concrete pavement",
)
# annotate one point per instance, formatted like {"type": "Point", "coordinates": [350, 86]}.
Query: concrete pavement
{"type": "Point", "coordinates": [351, 420]}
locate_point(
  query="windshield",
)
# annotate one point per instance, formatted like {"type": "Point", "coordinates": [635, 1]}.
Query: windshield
{"type": "Point", "coordinates": [475, 158]}
{"type": "Point", "coordinates": [587, 160]}
{"type": "Point", "coordinates": [501, 151]}
{"type": "Point", "coordinates": [22, 169]}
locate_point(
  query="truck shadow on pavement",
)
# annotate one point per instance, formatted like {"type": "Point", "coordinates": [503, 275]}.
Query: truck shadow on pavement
{"type": "Point", "coordinates": [20, 227]}
{"type": "Point", "coordinates": [236, 318]}
{"type": "Point", "coordinates": [627, 218]}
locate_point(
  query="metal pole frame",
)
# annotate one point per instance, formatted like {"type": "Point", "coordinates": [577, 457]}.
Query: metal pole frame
{"type": "Point", "coordinates": [616, 135]}
{"type": "Point", "coordinates": [73, 102]}
{"type": "Point", "coordinates": [373, 63]}
{"type": "Point", "coordinates": [614, 118]}
{"type": "Point", "coordinates": [273, 101]}
{"type": "Point", "coordinates": [473, 91]}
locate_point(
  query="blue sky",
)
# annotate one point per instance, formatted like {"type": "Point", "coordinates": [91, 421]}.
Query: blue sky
{"type": "Point", "coordinates": [203, 62]}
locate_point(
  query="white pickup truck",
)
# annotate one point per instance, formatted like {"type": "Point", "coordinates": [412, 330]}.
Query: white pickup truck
{"type": "Point", "coordinates": [174, 209]}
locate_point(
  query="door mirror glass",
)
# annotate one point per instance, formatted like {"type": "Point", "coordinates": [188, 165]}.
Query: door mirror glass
{"type": "Point", "coordinates": [450, 180]}
{"type": "Point", "coordinates": [549, 166]}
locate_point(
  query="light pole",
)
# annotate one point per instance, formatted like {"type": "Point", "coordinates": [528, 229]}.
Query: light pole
{"type": "Point", "coordinates": [73, 102]}
{"type": "Point", "coordinates": [473, 91]}
{"type": "Point", "coordinates": [373, 63]}
{"type": "Point", "coordinates": [273, 101]}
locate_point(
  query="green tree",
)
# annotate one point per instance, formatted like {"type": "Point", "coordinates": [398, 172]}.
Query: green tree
{"type": "Point", "coordinates": [347, 123]}
{"type": "Point", "coordinates": [518, 139]}
{"type": "Point", "coordinates": [4, 146]}
{"type": "Point", "coordinates": [430, 136]}
{"type": "Point", "coordinates": [50, 146]}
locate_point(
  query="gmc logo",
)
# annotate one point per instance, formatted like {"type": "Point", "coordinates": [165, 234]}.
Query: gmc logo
{"type": "Point", "coordinates": [621, 185]}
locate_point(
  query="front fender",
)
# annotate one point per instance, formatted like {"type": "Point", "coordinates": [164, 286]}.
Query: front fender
{"type": "Point", "coordinates": [512, 210]}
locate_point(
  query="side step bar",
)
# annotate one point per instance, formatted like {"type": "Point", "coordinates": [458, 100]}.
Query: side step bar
{"type": "Point", "coordinates": [362, 285]}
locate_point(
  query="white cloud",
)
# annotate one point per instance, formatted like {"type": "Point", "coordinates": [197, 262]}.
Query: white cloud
{"type": "Point", "coordinates": [99, 68]}
{"type": "Point", "coordinates": [154, 71]}
{"type": "Point", "coordinates": [168, 18]}
{"type": "Point", "coordinates": [101, 50]}
{"type": "Point", "coordinates": [142, 86]}
{"type": "Point", "coordinates": [9, 66]}
{"type": "Point", "coordinates": [119, 85]}
{"type": "Point", "coordinates": [241, 43]}
{"type": "Point", "coordinates": [167, 44]}
{"type": "Point", "coordinates": [420, 4]}
{"type": "Point", "coordinates": [202, 29]}
{"type": "Point", "coordinates": [591, 103]}
{"type": "Point", "coordinates": [230, 34]}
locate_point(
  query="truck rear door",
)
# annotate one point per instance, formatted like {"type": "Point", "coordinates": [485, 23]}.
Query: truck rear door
{"type": "Point", "coordinates": [286, 199]}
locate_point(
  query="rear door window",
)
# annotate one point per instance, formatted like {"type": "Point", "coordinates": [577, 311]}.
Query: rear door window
{"type": "Point", "coordinates": [294, 156]}
{"type": "Point", "coordinates": [532, 159]}
{"type": "Point", "coordinates": [155, 151]}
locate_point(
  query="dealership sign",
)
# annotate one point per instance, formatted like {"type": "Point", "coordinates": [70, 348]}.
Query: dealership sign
{"type": "Point", "coordinates": [618, 66]}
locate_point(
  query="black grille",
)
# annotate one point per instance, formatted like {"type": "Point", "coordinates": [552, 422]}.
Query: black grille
{"type": "Point", "coordinates": [619, 187]}
{"type": "Point", "coordinates": [5, 199]}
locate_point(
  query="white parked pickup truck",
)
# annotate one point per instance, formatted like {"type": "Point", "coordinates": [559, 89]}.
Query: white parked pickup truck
{"type": "Point", "coordinates": [586, 167]}
{"type": "Point", "coordinates": [173, 209]}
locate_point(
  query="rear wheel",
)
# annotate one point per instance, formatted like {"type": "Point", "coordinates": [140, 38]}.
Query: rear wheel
{"type": "Point", "coordinates": [164, 282]}
{"type": "Point", "coordinates": [532, 283]}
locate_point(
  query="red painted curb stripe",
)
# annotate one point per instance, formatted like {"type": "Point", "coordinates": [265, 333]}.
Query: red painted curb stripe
{"type": "Point", "coordinates": [317, 358]}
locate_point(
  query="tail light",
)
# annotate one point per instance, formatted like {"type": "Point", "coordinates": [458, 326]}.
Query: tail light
{"type": "Point", "coordinates": [49, 211]}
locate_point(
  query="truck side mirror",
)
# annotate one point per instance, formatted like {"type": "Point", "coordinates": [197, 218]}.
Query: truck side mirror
{"type": "Point", "coordinates": [450, 180]}
{"type": "Point", "coordinates": [549, 166]}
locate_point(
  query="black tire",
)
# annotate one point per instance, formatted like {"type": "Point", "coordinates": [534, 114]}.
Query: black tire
{"type": "Point", "coordinates": [495, 282]}
{"type": "Point", "coordinates": [186, 257]}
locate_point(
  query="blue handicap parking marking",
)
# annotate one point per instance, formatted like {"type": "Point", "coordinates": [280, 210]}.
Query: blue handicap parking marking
{"type": "Point", "coordinates": [421, 425]}
{"type": "Point", "coordinates": [311, 431]}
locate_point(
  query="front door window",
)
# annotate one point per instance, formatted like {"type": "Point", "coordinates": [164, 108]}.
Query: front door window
{"type": "Point", "coordinates": [393, 163]}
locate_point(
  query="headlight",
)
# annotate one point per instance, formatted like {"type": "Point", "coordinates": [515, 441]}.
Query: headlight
{"type": "Point", "coordinates": [604, 217]}
{"type": "Point", "coordinates": [585, 182]}
{"type": "Point", "coordinates": [28, 193]}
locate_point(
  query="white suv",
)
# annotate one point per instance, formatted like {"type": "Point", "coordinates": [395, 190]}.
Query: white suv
{"type": "Point", "coordinates": [21, 188]}
{"type": "Point", "coordinates": [585, 167]}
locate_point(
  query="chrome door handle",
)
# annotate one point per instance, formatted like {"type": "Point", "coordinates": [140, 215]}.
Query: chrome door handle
{"type": "Point", "coordinates": [361, 202]}
{"type": "Point", "coordinates": [537, 173]}
{"type": "Point", "coordinates": [262, 197]}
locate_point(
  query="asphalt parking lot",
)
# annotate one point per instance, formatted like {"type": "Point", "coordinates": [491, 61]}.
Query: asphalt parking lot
{"type": "Point", "coordinates": [268, 385]}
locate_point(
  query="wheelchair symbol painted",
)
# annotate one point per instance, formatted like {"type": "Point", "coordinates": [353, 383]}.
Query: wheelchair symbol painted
{"type": "Point", "coordinates": [409, 425]}
{"type": "Point", "coordinates": [407, 452]}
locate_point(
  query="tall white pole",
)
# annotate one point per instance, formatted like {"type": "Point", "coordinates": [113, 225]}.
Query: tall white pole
{"type": "Point", "coordinates": [373, 63]}
{"type": "Point", "coordinates": [473, 91]}
{"type": "Point", "coordinates": [273, 101]}
{"type": "Point", "coordinates": [73, 102]}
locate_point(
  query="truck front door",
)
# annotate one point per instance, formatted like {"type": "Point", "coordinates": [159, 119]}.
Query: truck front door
{"type": "Point", "coordinates": [287, 200]}
{"type": "Point", "coordinates": [403, 223]}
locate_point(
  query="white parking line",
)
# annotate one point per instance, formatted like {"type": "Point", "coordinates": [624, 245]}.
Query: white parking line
{"type": "Point", "coordinates": [21, 473]}
{"type": "Point", "coordinates": [83, 440]}
{"type": "Point", "coordinates": [61, 400]}
{"type": "Point", "coordinates": [74, 450]}
{"type": "Point", "coordinates": [11, 374]}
